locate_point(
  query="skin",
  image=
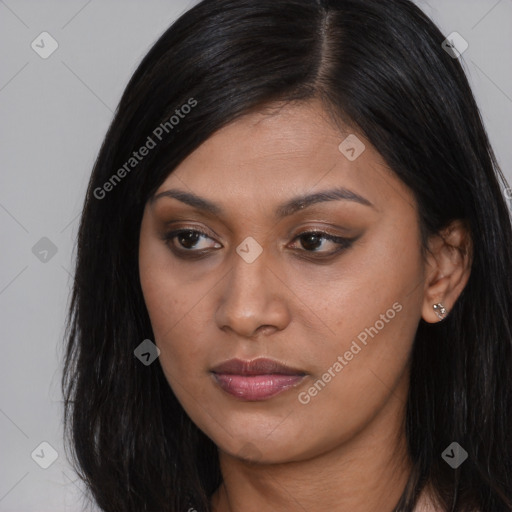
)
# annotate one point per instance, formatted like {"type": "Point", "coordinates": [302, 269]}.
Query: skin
{"type": "Point", "coordinates": [345, 449]}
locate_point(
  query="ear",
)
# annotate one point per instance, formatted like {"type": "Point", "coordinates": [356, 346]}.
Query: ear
{"type": "Point", "coordinates": [449, 258]}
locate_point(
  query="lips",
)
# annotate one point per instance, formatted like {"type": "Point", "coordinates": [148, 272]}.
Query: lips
{"type": "Point", "coordinates": [256, 380]}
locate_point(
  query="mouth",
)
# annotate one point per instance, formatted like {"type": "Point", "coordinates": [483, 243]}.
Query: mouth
{"type": "Point", "coordinates": [256, 380]}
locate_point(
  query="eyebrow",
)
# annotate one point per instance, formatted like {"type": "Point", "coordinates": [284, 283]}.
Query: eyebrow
{"type": "Point", "coordinates": [284, 210]}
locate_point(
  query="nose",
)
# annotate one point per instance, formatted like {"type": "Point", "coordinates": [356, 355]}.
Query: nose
{"type": "Point", "coordinates": [253, 300]}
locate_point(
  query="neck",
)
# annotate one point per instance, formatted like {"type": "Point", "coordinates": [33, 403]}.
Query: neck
{"type": "Point", "coordinates": [367, 473]}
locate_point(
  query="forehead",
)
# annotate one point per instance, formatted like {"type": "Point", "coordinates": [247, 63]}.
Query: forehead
{"type": "Point", "coordinates": [284, 150]}
{"type": "Point", "coordinates": [273, 137]}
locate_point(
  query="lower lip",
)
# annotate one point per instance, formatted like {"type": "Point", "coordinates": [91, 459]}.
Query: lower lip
{"type": "Point", "coordinates": [256, 387]}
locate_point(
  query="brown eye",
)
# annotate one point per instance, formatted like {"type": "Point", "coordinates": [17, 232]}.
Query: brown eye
{"type": "Point", "coordinates": [311, 241]}
{"type": "Point", "coordinates": [190, 240]}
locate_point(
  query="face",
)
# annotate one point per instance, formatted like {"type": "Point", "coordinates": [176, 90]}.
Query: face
{"type": "Point", "coordinates": [271, 246]}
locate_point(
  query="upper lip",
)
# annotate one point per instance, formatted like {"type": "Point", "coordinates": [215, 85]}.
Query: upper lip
{"type": "Point", "coordinates": [259, 366]}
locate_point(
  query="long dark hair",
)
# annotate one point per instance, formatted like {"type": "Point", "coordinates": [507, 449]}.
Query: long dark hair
{"type": "Point", "coordinates": [379, 67]}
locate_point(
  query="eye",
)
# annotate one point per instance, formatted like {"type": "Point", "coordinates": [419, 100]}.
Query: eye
{"type": "Point", "coordinates": [315, 241]}
{"type": "Point", "coordinates": [190, 240]}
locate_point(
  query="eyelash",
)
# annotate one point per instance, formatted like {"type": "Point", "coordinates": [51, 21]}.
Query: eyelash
{"type": "Point", "coordinates": [343, 243]}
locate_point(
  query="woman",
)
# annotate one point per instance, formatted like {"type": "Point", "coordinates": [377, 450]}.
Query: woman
{"type": "Point", "coordinates": [293, 287]}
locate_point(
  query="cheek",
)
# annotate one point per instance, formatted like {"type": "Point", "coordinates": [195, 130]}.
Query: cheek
{"type": "Point", "coordinates": [173, 310]}
{"type": "Point", "coordinates": [177, 334]}
{"type": "Point", "coordinates": [167, 295]}
{"type": "Point", "coordinates": [357, 372]}
{"type": "Point", "coordinates": [168, 301]}
{"type": "Point", "coordinates": [181, 315]}
{"type": "Point", "coordinates": [179, 327]}
{"type": "Point", "coordinates": [383, 269]}
{"type": "Point", "coordinates": [372, 310]}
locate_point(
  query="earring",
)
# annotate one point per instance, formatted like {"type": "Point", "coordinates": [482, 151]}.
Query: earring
{"type": "Point", "coordinates": [440, 310]}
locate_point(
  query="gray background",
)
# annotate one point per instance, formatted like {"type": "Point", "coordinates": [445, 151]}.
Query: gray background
{"type": "Point", "coordinates": [54, 114]}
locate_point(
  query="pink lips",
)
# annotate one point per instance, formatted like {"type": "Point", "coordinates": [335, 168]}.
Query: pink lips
{"type": "Point", "coordinates": [255, 380]}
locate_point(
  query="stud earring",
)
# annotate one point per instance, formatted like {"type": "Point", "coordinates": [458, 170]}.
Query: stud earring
{"type": "Point", "coordinates": [440, 310]}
